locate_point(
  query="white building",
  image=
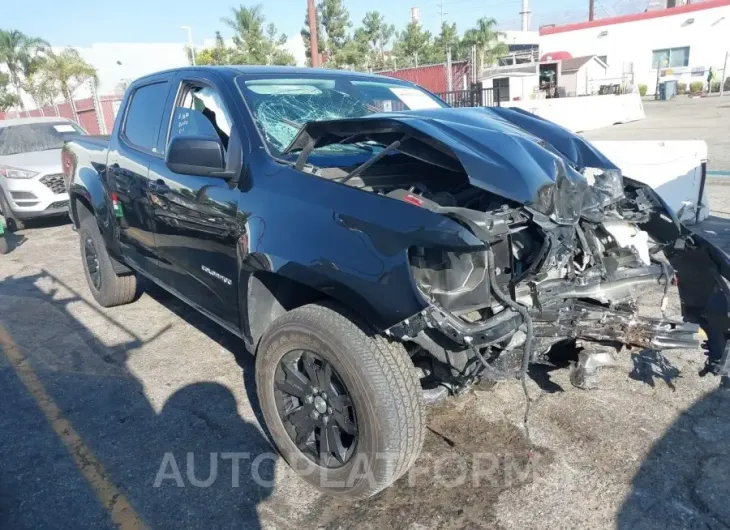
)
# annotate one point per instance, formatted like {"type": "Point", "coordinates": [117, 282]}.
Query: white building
{"type": "Point", "coordinates": [683, 42]}
{"type": "Point", "coordinates": [120, 63]}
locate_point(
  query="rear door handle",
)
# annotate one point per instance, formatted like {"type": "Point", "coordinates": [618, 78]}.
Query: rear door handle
{"type": "Point", "coordinates": [158, 186]}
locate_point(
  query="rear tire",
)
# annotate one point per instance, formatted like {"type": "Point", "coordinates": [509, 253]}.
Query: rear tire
{"type": "Point", "coordinates": [107, 288]}
{"type": "Point", "coordinates": [375, 375]}
{"type": "Point", "coordinates": [3, 245]}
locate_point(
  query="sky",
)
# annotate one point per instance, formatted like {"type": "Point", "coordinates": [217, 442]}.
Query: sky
{"type": "Point", "coordinates": [80, 23]}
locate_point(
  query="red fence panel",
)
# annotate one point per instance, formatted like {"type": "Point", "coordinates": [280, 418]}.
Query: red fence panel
{"type": "Point", "coordinates": [433, 77]}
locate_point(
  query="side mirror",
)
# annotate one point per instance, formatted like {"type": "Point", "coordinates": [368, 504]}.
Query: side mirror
{"type": "Point", "coordinates": [196, 155]}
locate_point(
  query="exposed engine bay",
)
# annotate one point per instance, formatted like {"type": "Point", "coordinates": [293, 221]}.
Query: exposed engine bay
{"type": "Point", "coordinates": [538, 283]}
{"type": "Point", "coordinates": [567, 242]}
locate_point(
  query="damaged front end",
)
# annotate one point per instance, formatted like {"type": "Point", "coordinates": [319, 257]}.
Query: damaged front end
{"type": "Point", "coordinates": [567, 243]}
{"type": "Point", "coordinates": [544, 277]}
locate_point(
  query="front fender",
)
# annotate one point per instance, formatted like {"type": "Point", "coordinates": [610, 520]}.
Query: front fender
{"type": "Point", "coordinates": [349, 244]}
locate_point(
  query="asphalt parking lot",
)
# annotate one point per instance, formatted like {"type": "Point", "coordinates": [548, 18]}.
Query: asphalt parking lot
{"type": "Point", "coordinates": [681, 118]}
{"type": "Point", "coordinates": [120, 417]}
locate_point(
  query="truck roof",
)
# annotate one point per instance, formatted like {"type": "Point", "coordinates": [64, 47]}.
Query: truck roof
{"type": "Point", "coordinates": [26, 121]}
{"type": "Point", "coordinates": [233, 70]}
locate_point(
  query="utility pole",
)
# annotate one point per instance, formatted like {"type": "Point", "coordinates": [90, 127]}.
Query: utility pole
{"type": "Point", "coordinates": [313, 44]}
{"type": "Point", "coordinates": [97, 108]}
{"type": "Point", "coordinates": [591, 9]}
{"type": "Point", "coordinates": [525, 15]}
{"type": "Point", "coordinates": [441, 12]}
{"type": "Point", "coordinates": [723, 76]}
{"type": "Point", "coordinates": [449, 71]}
{"type": "Point", "coordinates": [473, 64]}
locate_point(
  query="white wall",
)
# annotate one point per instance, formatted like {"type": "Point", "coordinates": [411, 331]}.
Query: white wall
{"type": "Point", "coordinates": [585, 113]}
{"type": "Point", "coordinates": [708, 38]}
{"type": "Point", "coordinates": [137, 59]}
{"type": "Point", "coordinates": [569, 80]}
{"type": "Point", "coordinates": [673, 169]}
{"type": "Point", "coordinates": [594, 76]}
{"type": "Point", "coordinates": [523, 86]}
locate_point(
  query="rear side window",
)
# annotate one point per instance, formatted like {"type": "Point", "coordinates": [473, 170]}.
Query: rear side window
{"type": "Point", "coordinates": [144, 115]}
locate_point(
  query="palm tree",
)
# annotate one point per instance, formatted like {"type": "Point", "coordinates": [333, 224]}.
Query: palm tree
{"type": "Point", "coordinates": [486, 39]}
{"type": "Point", "coordinates": [20, 54]}
{"type": "Point", "coordinates": [67, 71]}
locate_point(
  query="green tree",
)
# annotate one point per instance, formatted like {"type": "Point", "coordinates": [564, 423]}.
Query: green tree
{"type": "Point", "coordinates": [336, 22]}
{"type": "Point", "coordinates": [254, 42]}
{"type": "Point", "coordinates": [413, 46]}
{"type": "Point", "coordinates": [67, 71]}
{"type": "Point", "coordinates": [353, 54]}
{"type": "Point", "coordinates": [41, 88]}
{"type": "Point", "coordinates": [219, 54]}
{"type": "Point", "coordinates": [7, 100]}
{"type": "Point", "coordinates": [448, 38]}
{"type": "Point", "coordinates": [486, 39]}
{"type": "Point", "coordinates": [248, 26]}
{"type": "Point", "coordinates": [275, 54]}
{"type": "Point", "coordinates": [377, 33]}
{"type": "Point", "coordinates": [20, 54]}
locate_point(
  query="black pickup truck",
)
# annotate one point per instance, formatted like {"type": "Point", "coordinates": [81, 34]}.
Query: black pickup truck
{"type": "Point", "coordinates": [376, 249]}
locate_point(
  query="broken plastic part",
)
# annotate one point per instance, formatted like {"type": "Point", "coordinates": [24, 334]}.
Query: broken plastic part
{"type": "Point", "coordinates": [629, 236]}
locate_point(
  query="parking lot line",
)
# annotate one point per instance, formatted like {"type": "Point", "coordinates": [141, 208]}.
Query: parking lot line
{"type": "Point", "coordinates": [121, 512]}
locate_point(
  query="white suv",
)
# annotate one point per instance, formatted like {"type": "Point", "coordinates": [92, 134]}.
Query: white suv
{"type": "Point", "coordinates": [31, 177]}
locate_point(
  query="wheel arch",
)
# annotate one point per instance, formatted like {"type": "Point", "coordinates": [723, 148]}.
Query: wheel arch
{"type": "Point", "coordinates": [270, 295]}
{"type": "Point", "coordinates": [79, 207]}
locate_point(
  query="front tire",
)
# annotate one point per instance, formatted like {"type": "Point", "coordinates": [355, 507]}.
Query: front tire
{"type": "Point", "coordinates": [342, 404]}
{"type": "Point", "coordinates": [13, 224]}
{"type": "Point", "coordinates": [106, 287]}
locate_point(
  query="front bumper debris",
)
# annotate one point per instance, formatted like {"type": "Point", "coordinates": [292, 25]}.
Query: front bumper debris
{"type": "Point", "coordinates": [586, 321]}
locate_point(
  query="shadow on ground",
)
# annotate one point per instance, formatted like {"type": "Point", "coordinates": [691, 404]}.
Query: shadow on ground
{"type": "Point", "coordinates": [465, 464]}
{"type": "Point", "coordinates": [90, 383]}
{"type": "Point", "coordinates": [685, 480]}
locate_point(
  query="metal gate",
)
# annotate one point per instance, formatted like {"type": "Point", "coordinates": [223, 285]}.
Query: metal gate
{"type": "Point", "coordinates": [474, 96]}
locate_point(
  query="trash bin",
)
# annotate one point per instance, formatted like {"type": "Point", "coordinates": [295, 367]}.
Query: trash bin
{"type": "Point", "coordinates": [667, 90]}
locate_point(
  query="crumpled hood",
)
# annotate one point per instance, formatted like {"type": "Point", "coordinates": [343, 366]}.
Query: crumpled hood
{"type": "Point", "coordinates": [506, 151]}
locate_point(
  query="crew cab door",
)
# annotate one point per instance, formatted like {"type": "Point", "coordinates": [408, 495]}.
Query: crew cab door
{"type": "Point", "coordinates": [197, 227]}
{"type": "Point", "coordinates": [132, 148]}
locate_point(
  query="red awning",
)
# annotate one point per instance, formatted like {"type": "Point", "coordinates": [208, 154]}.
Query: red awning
{"type": "Point", "coordinates": [555, 56]}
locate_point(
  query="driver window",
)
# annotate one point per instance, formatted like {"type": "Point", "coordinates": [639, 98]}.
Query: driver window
{"type": "Point", "coordinates": [208, 116]}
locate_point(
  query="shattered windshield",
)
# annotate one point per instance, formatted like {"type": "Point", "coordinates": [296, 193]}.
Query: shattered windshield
{"type": "Point", "coordinates": [282, 105]}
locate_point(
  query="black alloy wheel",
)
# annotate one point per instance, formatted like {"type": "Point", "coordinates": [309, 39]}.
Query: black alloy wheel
{"type": "Point", "coordinates": [315, 408]}
{"type": "Point", "coordinates": [92, 262]}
